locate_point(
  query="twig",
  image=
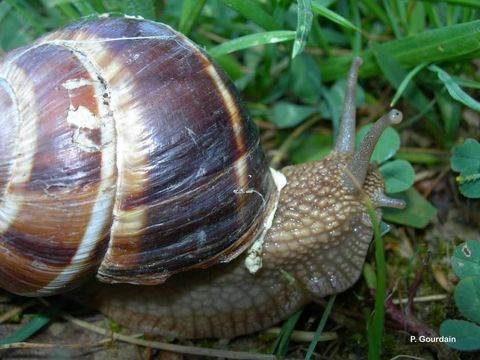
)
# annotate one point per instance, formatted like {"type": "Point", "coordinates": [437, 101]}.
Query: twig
{"type": "Point", "coordinates": [29, 345]}
{"type": "Point", "coordinates": [398, 357]}
{"type": "Point", "coordinates": [191, 350]}
{"type": "Point", "coordinates": [304, 336]}
{"type": "Point", "coordinates": [428, 298]}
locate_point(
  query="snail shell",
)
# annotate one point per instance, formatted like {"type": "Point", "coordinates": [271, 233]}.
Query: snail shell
{"type": "Point", "coordinates": [121, 145]}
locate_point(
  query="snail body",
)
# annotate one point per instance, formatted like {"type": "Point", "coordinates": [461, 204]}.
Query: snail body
{"type": "Point", "coordinates": [127, 153]}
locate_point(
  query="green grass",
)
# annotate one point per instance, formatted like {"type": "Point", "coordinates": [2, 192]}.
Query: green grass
{"type": "Point", "coordinates": [291, 57]}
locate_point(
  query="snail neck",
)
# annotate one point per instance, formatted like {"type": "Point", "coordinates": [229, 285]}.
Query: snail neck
{"type": "Point", "coordinates": [320, 233]}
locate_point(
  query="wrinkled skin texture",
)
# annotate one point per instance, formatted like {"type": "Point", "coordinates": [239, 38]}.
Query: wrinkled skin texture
{"type": "Point", "coordinates": [320, 241]}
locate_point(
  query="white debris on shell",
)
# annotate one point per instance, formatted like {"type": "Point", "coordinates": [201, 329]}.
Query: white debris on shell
{"type": "Point", "coordinates": [253, 261]}
{"type": "Point", "coordinates": [81, 117]}
{"type": "Point", "coordinates": [84, 142]}
{"type": "Point", "coordinates": [76, 83]}
{"type": "Point", "coordinates": [133, 17]}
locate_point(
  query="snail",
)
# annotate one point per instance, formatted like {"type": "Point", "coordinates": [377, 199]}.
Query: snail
{"type": "Point", "coordinates": [127, 155]}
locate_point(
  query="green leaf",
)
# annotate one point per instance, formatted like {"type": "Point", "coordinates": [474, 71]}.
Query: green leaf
{"type": "Point", "coordinates": [304, 24]}
{"type": "Point", "coordinates": [285, 115]}
{"type": "Point", "coordinates": [465, 333]}
{"type": "Point", "coordinates": [386, 147]}
{"type": "Point", "coordinates": [418, 213]}
{"type": "Point", "coordinates": [310, 147]}
{"type": "Point", "coordinates": [469, 181]}
{"type": "Point", "coordinates": [466, 156]}
{"type": "Point", "coordinates": [398, 174]}
{"type": "Point", "coordinates": [332, 16]}
{"type": "Point", "coordinates": [305, 81]}
{"type": "Point", "coordinates": [189, 14]}
{"type": "Point", "coordinates": [252, 10]}
{"type": "Point", "coordinates": [454, 89]}
{"type": "Point", "coordinates": [247, 41]}
{"type": "Point", "coordinates": [467, 298]}
{"type": "Point", "coordinates": [466, 259]}
{"type": "Point", "coordinates": [466, 160]}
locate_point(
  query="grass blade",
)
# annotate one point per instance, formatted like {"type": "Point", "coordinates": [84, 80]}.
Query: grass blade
{"type": "Point", "coordinates": [417, 21]}
{"type": "Point", "coordinates": [357, 37]}
{"type": "Point", "coordinates": [454, 89]}
{"type": "Point", "coordinates": [405, 82]}
{"type": "Point", "coordinates": [34, 325]}
{"type": "Point", "coordinates": [393, 19]}
{"type": "Point", "coordinates": [247, 41]}
{"type": "Point", "coordinates": [470, 3]}
{"type": "Point", "coordinates": [321, 325]}
{"type": "Point", "coordinates": [375, 8]}
{"type": "Point", "coordinates": [84, 8]}
{"type": "Point", "coordinates": [253, 11]}
{"type": "Point", "coordinates": [376, 321]}
{"type": "Point", "coordinates": [4, 10]}
{"type": "Point", "coordinates": [447, 43]}
{"type": "Point", "coordinates": [69, 11]}
{"type": "Point", "coordinates": [395, 75]}
{"type": "Point", "coordinates": [332, 16]}
{"type": "Point", "coordinates": [281, 344]}
{"type": "Point", "coordinates": [22, 334]}
{"type": "Point", "coordinates": [24, 10]}
{"type": "Point", "coordinates": [190, 12]}
{"type": "Point", "coordinates": [466, 82]}
{"type": "Point", "coordinates": [304, 24]}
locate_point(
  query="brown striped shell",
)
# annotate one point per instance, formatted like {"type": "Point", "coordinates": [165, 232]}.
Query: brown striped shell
{"type": "Point", "coordinates": [123, 151]}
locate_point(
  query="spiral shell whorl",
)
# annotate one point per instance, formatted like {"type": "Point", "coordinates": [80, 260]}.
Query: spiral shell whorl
{"type": "Point", "coordinates": [131, 145]}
